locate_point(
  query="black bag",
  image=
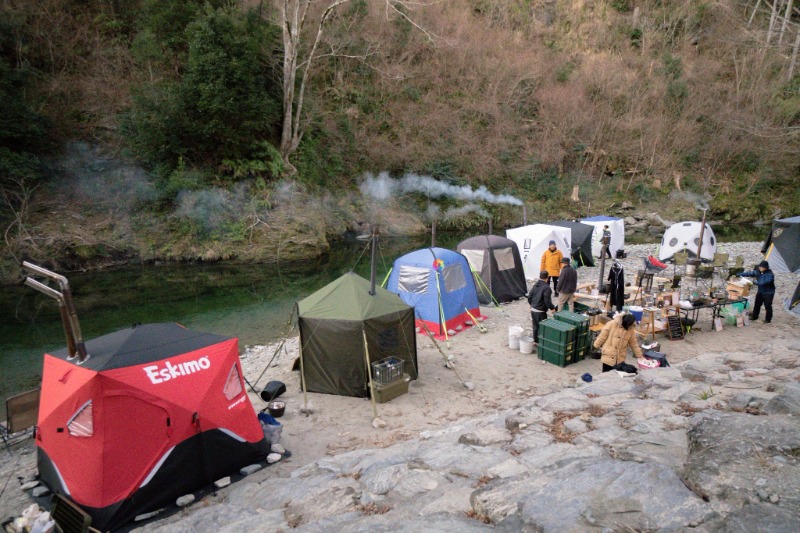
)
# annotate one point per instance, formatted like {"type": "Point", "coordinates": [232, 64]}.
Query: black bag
{"type": "Point", "coordinates": [657, 356]}
{"type": "Point", "coordinates": [625, 367]}
{"type": "Point", "coordinates": [273, 390]}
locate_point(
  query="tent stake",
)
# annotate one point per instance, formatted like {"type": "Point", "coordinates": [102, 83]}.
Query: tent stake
{"type": "Point", "coordinates": [448, 364]}
{"type": "Point", "coordinates": [377, 423]}
{"type": "Point", "coordinates": [481, 327]}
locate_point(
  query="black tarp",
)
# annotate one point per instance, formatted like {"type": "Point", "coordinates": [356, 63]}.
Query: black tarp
{"type": "Point", "coordinates": [497, 262]}
{"type": "Point", "coordinates": [581, 241]}
{"type": "Point", "coordinates": [332, 325]}
{"type": "Point", "coordinates": [142, 344]}
{"type": "Point", "coordinates": [782, 247]}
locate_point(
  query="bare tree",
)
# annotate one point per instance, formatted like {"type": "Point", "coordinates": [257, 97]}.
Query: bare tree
{"type": "Point", "coordinates": [301, 47]}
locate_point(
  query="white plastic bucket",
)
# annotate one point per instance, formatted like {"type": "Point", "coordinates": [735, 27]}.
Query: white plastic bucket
{"type": "Point", "coordinates": [526, 345]}
{"type": "Point", "coordinates": [514, 333]}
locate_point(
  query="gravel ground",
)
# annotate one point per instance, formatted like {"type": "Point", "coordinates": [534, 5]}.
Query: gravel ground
{"type": "Point", "coordinates": [751, 251]}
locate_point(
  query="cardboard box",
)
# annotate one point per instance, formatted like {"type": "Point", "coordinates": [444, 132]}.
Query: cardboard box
{"type": "Point", "coordinates": [739, 290]}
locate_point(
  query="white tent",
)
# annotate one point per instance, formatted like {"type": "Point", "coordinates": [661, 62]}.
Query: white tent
{"type": "Point", "coordinates": [533, 240]}
{"type": "Point", "coordinates": [685, 237]}
{"type": "Point", "coordinates": [617, 228]}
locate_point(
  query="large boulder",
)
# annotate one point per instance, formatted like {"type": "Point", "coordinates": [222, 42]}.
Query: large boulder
{"type": "Point", "coordinates": [593, 492]}
{"type": "Point", "coordinates": [736, 459]}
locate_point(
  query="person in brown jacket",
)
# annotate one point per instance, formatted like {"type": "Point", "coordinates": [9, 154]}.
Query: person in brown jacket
{"type": "Point", "coordinates": [551, 262]}
{"type": "Point", "coordinates": [615, 338]}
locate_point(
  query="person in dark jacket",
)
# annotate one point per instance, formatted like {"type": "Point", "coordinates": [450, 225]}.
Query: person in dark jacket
{"type": "Point", "coordinates": [616, 286]}
{"type": "Point", "coordinates": [606, 239]}
{"type": "Point", "coordinates": [567, 285]}
{"type": "Point", "coordinates": [541, 302]}
{"type": "Point", "coordinates": [765, 280]}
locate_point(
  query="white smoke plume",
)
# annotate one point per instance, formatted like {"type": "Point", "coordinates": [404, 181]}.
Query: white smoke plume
{"type": "Point", "coordinates": [456, 212]}
{"type": "Point", "coordinates": [699, 201]}
{"type": "Point", "coordinates": [383, 187]}
{"type": "Point", "coordinates": [212, 207]}
{"type": "Point", "coordinates": [432, 212]}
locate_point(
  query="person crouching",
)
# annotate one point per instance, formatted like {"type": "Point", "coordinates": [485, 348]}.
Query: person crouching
{"type": "Point", "coordinates": [541, 301]}
{"type": "Point", "coordinates": [614, 340]}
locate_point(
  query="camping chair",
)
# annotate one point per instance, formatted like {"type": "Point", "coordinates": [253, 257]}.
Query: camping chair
{"type": "Point", "coordinates": [720, 261]}
{"type": "Point", "coordinates": [22, 412]}
{"type": "Point", "coordinates": [679, 260]}
{"type": "Point", "coordinates": [737, 268]}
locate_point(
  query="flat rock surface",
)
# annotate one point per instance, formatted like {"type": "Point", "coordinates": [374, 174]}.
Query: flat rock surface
{"type": "Point", "coordinates": [531, 448]}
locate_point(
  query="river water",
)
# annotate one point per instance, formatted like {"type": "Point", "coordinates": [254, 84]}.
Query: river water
{"type": "Point", "coordinates": [251, 302]}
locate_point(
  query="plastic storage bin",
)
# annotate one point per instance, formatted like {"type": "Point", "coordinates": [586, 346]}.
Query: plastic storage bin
{"type": "Point", "coordinates": [387, 370]}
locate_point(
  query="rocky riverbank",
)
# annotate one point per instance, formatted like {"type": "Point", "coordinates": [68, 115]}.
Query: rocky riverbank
{"type": "Point", "coordinates": [709, 444]}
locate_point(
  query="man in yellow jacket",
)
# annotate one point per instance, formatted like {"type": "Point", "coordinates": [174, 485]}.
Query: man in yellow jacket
{"type": "Point", "coordinates": [551, 262]}
{"type": "Point", "coordinates": [614, 340]}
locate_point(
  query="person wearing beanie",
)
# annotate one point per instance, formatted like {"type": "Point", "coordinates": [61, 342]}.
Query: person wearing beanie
{"type": "Point", "coordinates": [765, 280]}
{"type": "Point", "coordinates": [551, 262]}
{"type": "Point", "coordinates": [541, 302]}
{"type": "Point", "coordinates": [567, 285]}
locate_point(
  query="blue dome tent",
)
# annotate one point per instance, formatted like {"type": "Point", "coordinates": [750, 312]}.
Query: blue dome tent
{"type": "Point", "coordinates": [439, 285]}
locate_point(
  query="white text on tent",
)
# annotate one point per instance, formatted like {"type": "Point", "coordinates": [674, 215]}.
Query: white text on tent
{"type": "Point", "coordinates": [171, 371]}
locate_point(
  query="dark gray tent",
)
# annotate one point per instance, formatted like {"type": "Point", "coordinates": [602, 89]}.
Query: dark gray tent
{"type": "Point", "coordinates": [333, 322]}
{"type": "Point", "coordinates": [581, 241]}
{"type": "Point", "coordinates": [782, 247]}
{"type": "Point", "coordinates": [793, 304]}
{"type": "Point", "coordinates": [497, 266]}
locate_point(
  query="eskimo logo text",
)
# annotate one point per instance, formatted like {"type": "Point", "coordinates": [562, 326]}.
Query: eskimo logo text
{"type": "Point", "coordinates": [169, 371]}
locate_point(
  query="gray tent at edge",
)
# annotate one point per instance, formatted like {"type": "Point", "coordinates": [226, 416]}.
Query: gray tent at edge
{"type": "Point", "coordinates": [793, 304]}
{"type": "Point", "coordinates": [581, 241]}
{"type": "Point", "coordinates": [333, 322]}
{"type": "Point", "coordinates": [782, 247]}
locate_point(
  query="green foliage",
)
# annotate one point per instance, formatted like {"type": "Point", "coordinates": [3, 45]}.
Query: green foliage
{"type": "Point", "coordinates": [318, 163]}
{"type": "Point", "coordinates": [265, 163]}
{"type": "Point", "coordinates": [677, 89]}
{"type": "Point", "coordinates": [636, 37]}
{"type": "Point", "coordinates": [224, 105]}
{"type": "Point", "coordinates": [166, 21]}
{"type": "Point", "coordinates": [623, 6]}
{"type": "Point", "coordinates": [565, 71]}
{"type": "Point", "coordinates": [23, 131]}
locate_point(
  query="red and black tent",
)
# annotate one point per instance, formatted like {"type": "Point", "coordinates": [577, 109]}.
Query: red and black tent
{"type": "Point", "coordinates": [155, 412]}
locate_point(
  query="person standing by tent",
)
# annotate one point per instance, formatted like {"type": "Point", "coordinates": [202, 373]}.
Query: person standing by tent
{"type": "Point", "coordinates": [606, 240]}
{"type": "Point", "coordinates": [614, 340]}
{"type": "Point", "coordinates": [567, 285]}
{"type": "Point", "coordinates": [765, 280]}
{"type": "Point", "coordinates": [551, 262]}
{"type": "Point", "coordinates": [540, 300]}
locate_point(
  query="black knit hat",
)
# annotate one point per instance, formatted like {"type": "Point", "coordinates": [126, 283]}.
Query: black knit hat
{"type": "Point", "coordinates": [763, 264]}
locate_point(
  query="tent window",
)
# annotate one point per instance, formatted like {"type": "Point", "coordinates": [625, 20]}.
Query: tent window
{"type": "Point", "coordinates": [413, 279]}
{"type": "Point", "coordinates": [712, 241]}
{"type": "Point", "coordinates": [504, 258]}
{"type": "Point", "coordinates": [453, 278]}
{"type": "Point", "coordinates": [526, 244]}
{"type": "Point", "coordinates": [233, 385]}
{"type": "Point", "coordinates": [82, 423]}
{"type": "Point", "coordinates": [475, 258]}
{"type": "Point", "coordinates": [673, 241]}
{"type": "Point", "coordinates": [697, 241]}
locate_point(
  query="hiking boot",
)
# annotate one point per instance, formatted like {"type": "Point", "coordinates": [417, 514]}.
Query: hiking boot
{"type": "Point", "coordinates": [751, 317]}
{"type": "Point", "coordinates": [767, 321]}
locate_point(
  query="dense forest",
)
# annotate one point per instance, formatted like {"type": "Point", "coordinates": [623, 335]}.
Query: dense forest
{"type": "Point", "coordinates": [216, 129]}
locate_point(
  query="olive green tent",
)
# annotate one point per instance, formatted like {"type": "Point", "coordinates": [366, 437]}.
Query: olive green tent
{"type": "Point", "coordinates": [333, 322]}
